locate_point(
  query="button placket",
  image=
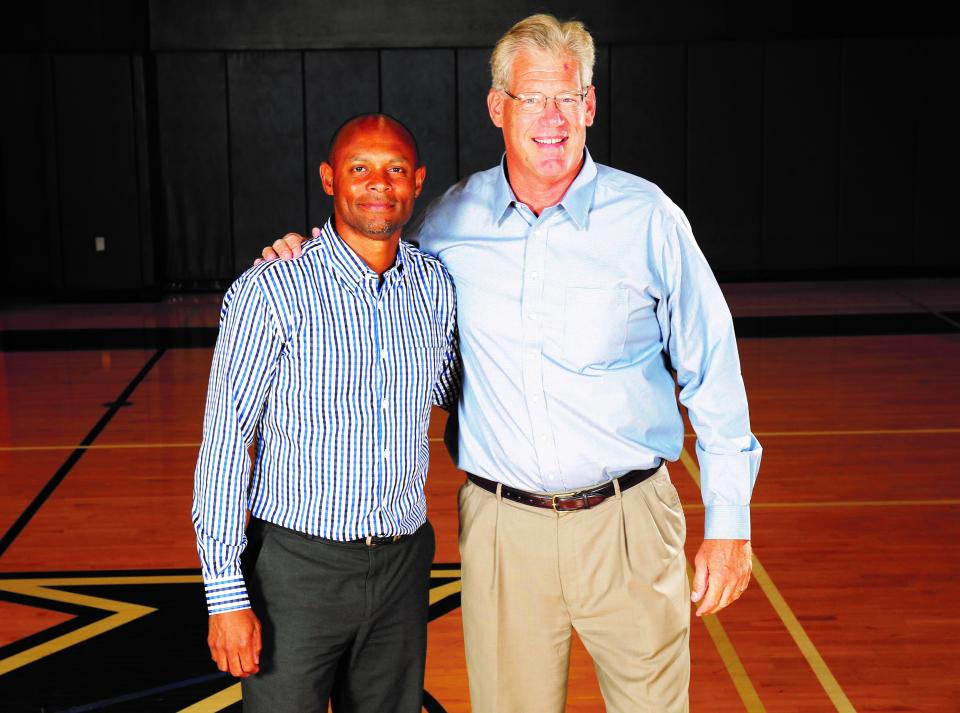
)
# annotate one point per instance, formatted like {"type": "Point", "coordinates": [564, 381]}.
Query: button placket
{"type": "Point", "coordinates": [380, 325]}
{"type": "Point", "coordinates": [532, 342]}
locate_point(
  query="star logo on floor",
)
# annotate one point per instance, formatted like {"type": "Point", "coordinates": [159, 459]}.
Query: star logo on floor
{"type": "Point", "coordinates": [146, 633]}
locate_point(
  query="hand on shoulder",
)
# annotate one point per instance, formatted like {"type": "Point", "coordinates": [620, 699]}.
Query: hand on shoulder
{"type": "Point", "coordinates": [286, 248]}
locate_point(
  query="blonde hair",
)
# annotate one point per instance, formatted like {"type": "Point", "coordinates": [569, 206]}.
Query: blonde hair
{"type": "Point", "coordinates": [542, 32]}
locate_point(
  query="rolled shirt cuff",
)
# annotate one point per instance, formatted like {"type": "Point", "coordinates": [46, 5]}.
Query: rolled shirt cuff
{"type": "Point", "coordinates": [727, 522]}
{"type": "Point", "coordinates": [226, 595]}
{"type": "Point", "coordinates": [726, 481]}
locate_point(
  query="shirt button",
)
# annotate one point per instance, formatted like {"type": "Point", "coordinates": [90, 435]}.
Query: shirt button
{"type": "Point", "coordinates": [543, 436]}
{"type": "Point", "coordinates": [532, 355]}
{"type": "Point", "coordinates": [534, 275]}
{"type": "Point", "coordinates": [383, 354]}
{"type": "Point", "coordinates": [386, 454]}
{"type": "Point", "coordinates": [532, 315]}
{"type": "Point", "coordinates": [384, 405]}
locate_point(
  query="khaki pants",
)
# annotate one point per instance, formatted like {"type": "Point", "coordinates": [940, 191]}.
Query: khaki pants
{"type": "Point", "coordinates": [616, 573]}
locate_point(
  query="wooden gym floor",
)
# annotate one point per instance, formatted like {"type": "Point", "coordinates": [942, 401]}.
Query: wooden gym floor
{"type": "Point", "coordinates": [853, 391]}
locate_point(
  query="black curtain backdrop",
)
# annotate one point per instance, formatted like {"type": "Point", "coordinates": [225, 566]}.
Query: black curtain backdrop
{"type": "Point", "coordinates": [803, 140]}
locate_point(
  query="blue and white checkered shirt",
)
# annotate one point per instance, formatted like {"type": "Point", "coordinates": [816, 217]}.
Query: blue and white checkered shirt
{"type": "Point", "coordinates": [335, 374]}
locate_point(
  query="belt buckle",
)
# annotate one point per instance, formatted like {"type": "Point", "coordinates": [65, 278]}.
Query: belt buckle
{"type": "Point", "coordinates": [570, 494]}
{"type": "Point", "coordinates": [583, 495]}
{"type": "Point", "coordinates": [373, 541]}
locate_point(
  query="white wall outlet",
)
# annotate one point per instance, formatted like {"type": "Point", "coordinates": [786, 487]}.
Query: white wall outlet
{"type": "Point", "coordinates": [99, 243]}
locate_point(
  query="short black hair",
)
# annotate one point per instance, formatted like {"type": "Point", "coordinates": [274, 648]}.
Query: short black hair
{"type": "Point", "coordinates": [373, 115]}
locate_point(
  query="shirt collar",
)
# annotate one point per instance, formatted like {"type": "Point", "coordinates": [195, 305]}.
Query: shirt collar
{"type": "Point", "coordinates": [503, 197]}
{"type": "Point", "coordinates": [348, 265]}
{"type": "Point", "coordinates": [577, 201]}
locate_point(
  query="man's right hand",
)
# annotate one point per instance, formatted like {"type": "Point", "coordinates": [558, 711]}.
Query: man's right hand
{"type": "Point", "coordinates": [286, 248]}
{"type": "Point", "coordinates": [235, 642]}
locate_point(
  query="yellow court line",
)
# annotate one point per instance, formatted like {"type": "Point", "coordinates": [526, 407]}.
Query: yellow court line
{"type": "Point", "coordinates": [814, 504]}
{"type": "Point", "coordinates": [445, 573]}
{"type": "Point", "coordinates": [123, 613]}
{"type": "Point", "coordinates": [853, 504]}
{"type": "Point", "coordinates": [99, 447]}
{"type": "Point", "coordinates": [810, 653]}
{"type": "Point", "coordinates": [855, 432]}
{"type": "Point", "coordinates": [765, 434]}
{"type": "Point", "coordinates": [217, 702]}
{"type": "Point", "coordinates": [738, 674]}
{"type": "Point", "coordinates": [820, 669]}
{"type": "Point", "coordinates": [444, 591]}
{"type": "Point", "coordinates": [114, 446]}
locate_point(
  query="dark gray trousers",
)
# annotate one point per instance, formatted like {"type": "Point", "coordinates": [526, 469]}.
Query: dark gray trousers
{"type": "Point", "coordinates": [342, 622]}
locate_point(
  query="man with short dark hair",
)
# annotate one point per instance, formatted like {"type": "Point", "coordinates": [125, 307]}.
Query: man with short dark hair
{"type": "Point", "coordinates": [332, 361]}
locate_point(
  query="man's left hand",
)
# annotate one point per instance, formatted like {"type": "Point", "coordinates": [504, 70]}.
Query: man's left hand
{"type": "Point", "coordinates": [722, 574]}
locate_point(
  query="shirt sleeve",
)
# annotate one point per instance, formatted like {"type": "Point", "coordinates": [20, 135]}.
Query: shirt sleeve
{"type": "Point", "coordinates": [422, 231]}
{"type": "Point", "coordinates": [703, 350]}
{"type": "Point", "coordinates": [446, 392]}
{"type": "Point", "coordinates": [244, 365]}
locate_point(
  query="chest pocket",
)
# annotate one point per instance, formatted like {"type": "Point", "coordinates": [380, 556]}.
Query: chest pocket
{"type": "Point", "coordinates": [594, 325]}
{"type": "Point", "coordinates": [430, 358]}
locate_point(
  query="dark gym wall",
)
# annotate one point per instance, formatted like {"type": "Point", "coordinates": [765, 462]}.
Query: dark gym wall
{"type": "Point", "coordinates": [802, 140]}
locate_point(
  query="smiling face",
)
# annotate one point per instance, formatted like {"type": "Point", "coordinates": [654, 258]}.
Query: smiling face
{"type": "Point", "coordinates": [544, 149]}
{"type": "Point", "coordinates": [373, 177]}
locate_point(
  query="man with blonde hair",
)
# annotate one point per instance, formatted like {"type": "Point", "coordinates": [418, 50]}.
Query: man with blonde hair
{"type": "Point", "coordinates": [579, 287]}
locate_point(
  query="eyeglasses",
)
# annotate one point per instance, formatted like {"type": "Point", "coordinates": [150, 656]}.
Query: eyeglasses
{"type": "Point", "coordinates": [535, 102]}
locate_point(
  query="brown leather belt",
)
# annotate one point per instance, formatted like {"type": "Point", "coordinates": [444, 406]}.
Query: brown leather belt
{"type": "Point", "coordinates": [565, 502]}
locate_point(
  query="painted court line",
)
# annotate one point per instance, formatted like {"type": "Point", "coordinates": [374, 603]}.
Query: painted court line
{"type": "Point", "coordinates": [121, 612]}
{"type": "Point", "coordinates": [820, 669]}
{"type": "Point", "coordinates": [217, 702]}
{"type": "Point", "coordinates": [76, 454]}
{"type": "Point", "coordinates": [810, 653]}
{"type": "Point", "coordinates": [854, 504]}
{"type": "Point", "coordinates": [99, 447]}
{"type": "Point", "coordinates": [815, 504]}
{"type": "Point", "coordinates": [768, 434]}
{"type": "Point", "coordinates": [738, 674]}
{"type": "Point", "coordinates": [861, 432]}
{"type": "Point", "coordinates": [126, 698]}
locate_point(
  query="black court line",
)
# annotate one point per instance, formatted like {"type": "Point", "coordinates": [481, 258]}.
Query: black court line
{"type": "Point", "coordinates": [431, 704]}
{"type": "Point", "coordinates": [167, 678]}
{"type": "Point", "coordinates": [840, 325]}
{"type": "Point", "coordinates": [100, 705]}
{"type": "Point", "coordinates": [76, 455]}
{"type": "Point", "coordinates": [81, 616]}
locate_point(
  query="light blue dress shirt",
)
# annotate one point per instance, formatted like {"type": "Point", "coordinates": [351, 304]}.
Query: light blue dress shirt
{"type": "Point", "coordinates": [570, 323]}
